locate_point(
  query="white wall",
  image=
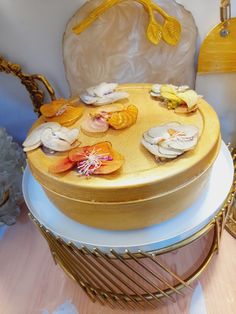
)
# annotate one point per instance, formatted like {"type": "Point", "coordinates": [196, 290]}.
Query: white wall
{"type": "Point", "coordinates": [31, 33]}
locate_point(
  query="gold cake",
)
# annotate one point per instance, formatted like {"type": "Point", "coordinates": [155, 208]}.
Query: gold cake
{"type": "Point", "coordinates": [143, 192]}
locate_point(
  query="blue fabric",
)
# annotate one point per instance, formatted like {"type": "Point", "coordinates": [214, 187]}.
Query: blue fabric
{"type": "Point", "coordinates": [3, 229]}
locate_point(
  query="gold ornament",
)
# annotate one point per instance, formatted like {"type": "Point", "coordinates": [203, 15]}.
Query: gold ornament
{"type": "Point", "coordinates": [170, 31]}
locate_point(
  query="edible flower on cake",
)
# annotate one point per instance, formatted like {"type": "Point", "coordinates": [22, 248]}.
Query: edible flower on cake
{"type": "Point", "coordinates": [123, 119]}
{"type": "Point", "coordinates": [100, 158]}
{"type": "Point", "coordinates": [93, 124]}
{"type": "Point", "coordinates": [102, 94]}
{"type": "Point", "coordinates": [64, 111]}
{"type": "Point", "coordinates": [52, 136]}
{"type": "Point", "coordinates": [170, 140]}
{"type": "Point", "coordinates": [182, 99]}
{"type": "Point", "coordinates": [116, 116]}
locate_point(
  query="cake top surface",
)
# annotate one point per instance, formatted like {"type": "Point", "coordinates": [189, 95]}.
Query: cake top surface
{"type": "Point", "coordinates": [140, 169]}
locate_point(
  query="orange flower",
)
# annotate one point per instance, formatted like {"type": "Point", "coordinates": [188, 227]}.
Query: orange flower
{"type": "Point", "coordinates": [62, 111]}
{"type": "Point", "coordinates": [100, 158]}
{"type": "Point", "coordinates": [123, 119]}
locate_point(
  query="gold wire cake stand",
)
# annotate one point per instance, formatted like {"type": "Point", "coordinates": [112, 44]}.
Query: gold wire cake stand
{"type": "Point", "coordinates": [231, 221]}
{"type": "Point", "coordinates": [134, 279]}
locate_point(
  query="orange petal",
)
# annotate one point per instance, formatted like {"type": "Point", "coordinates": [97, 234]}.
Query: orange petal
{"type": "Point", "coordinates": [69, 117]}
{"type": "Point", "coordinates": [123, 119]}
{"type": "Point", "coordinates": [61, 165]}
{"type": "Point", "coordinates": [50, 110]}
{"type": "Point", "coordinates": [77, 154]}
{"type": "Point", "coordinates": [102, 147]}
{"type": "Point", "coordinates": [111, 166]}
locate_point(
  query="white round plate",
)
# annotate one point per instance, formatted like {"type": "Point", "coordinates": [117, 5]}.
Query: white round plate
{"type": "Point", "coordinates": [152, 238]}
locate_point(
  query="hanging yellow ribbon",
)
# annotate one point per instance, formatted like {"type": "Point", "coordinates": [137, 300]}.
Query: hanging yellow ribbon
{"type": "Point", "coordinates": [170, 31]}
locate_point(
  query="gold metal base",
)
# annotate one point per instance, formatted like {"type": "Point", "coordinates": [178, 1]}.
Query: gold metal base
{"type": "Point", "coordinates": [133, 280]}
{"type": "Point", "coordinates": [231, 221]}
{"type": "Point", "coordinates": [231, 224]}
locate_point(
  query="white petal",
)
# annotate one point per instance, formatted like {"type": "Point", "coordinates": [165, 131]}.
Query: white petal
{"type": "Point", "coordinates": [160, 130]}
{"type": "Point", "coordinates": [188, 130]}
{"type": "Point", "coordinates": [29, 148]}
{"type": "Point", "coordinates": [67, 135]}
{"type": "Point", "coordinates": [110, 98]}
{"type": "Point", "coordinates": [152, 140]}
{"type": "Point", "coordinates": [104, 89]}
{"type": "Point", "coordinates": [182, 88]}
{"type": "Point", "coordinates": [102, 94]}
{"type": "Point", "coordinates": [151, 148]}
{"type": "Point", "coordinates": [91, 91]}
{"type": "Point", "coordinates": [154, 149]}
{"type": "Point", "coordinates": [155, 94]}
{"type": "Point", "coordinates": [51, 141]}
{"type": "Point", "coordinates": [163, 155]}
{"type": "Point", "coordinates": [156, 88]}
{"type": "Point", "coordinates": [87, 99]}
{"type": "Point", "coordinates": [35, 136]}
{"type": "Point", "coordinates": [183, 145]}
{"type": "Point", "coordinates": [51, 125]}
{"type": "Point", "coordinates": [169, 150]}
{"type": "Point", "coordinates": [93, 125]}
{"type": "Point", "coordinates": [101, 89]}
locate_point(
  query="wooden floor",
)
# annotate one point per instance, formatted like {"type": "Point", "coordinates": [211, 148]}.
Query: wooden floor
{"type": "Point", "coordinates": [30, 282]}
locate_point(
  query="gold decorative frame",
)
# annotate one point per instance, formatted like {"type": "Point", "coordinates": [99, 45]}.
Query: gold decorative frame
{"type": "Point", "coordinates": [124, 280]}
{"type": "Point", "coordinates": [31, 83]}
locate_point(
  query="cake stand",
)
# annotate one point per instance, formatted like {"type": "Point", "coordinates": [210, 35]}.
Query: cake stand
{"type": "Point", "coordinates": [132, 269]}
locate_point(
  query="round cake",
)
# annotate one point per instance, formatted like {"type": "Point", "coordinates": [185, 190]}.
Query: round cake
{"type": "Point", "coordinates": [143, 191]}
